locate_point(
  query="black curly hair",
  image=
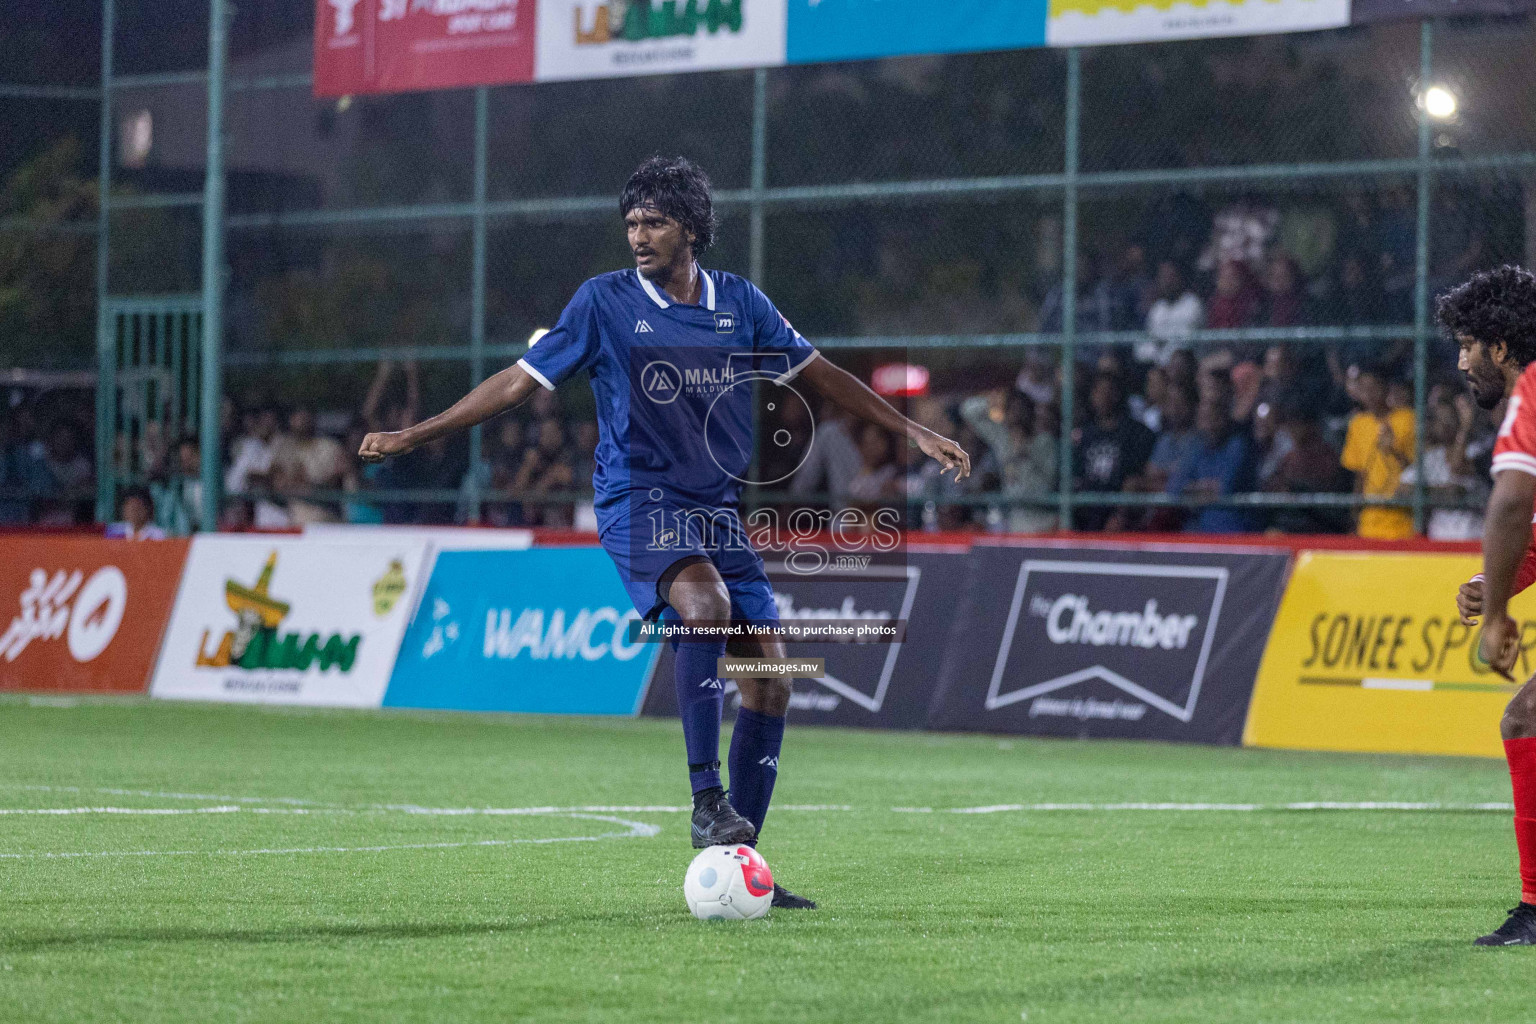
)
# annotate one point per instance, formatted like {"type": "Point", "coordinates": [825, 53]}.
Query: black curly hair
{"type": "Point", "coordinates": [1494, 305]}
{"type": "Point", "coordinates": [677, 188]}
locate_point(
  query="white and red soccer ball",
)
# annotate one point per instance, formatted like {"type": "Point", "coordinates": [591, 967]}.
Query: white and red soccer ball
{"type": "Point", "coordinates": [728, 883]}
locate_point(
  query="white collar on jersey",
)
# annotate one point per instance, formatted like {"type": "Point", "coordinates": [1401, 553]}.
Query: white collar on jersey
{"type": "Point", "coordinates": [659, 298]}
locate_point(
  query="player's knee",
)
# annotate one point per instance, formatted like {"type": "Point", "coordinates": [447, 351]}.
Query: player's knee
{"type": "Point", "coordinates": [703, 606]}
{"type": "Point", "coordinates": [1519, 719]}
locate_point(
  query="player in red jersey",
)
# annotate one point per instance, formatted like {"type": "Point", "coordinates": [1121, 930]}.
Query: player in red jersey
{"type": "Point", "coordinates": [1493, 319]}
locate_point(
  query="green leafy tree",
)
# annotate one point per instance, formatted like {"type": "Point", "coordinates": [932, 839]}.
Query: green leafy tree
{"type": "Point", "coordinates": [47, 294]}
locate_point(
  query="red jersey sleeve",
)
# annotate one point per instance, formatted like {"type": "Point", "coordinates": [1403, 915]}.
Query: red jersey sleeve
{"type": "Point", "coordinates": [1524, 576]}
{"type": "Point", "coordinates": [1527, 574]}
{"type": "Point", "coordinates": [1515, 450]}
{"type": "Point", "coordinates": [1516, 445]}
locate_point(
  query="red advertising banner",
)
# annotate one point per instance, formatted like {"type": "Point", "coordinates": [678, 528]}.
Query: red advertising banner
{"type": "Point", "coordinates": [84, 613]}
{"type": "Point", "coordinates": [376, 46]}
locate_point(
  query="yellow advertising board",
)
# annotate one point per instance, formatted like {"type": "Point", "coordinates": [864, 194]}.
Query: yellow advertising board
{"type": "Point", "coordinates": [1367, 653]}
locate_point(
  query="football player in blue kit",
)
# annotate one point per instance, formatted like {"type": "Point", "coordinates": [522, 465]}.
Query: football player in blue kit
{"type": "Point", "coordinates": [671, 351]}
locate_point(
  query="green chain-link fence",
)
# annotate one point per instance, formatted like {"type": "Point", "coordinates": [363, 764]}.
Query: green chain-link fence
{"type": "Point", "coordinates": [961, 212]}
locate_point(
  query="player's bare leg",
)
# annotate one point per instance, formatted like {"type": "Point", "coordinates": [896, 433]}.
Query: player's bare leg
{"type": "Point", "coordinates": [755, 743]}
{"type": "Point", "coordinates": [1518, 728]}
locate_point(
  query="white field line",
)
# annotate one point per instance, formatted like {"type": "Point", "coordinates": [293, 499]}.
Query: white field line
{"type": "Point", "coordinates": [162, 795]}
{"type": "Point", "coordinates": [291, 805]}
{"type": "Point", "coordinates": [316, 807]}
{"type": "Point", "coordinates": [121, 810]}
{"type": "Point", "coordinates": [1306, 805]}
{"type": "Point", "coordinates": [632, 830]}
{"type": "Point", "coordinates": [598, 812]}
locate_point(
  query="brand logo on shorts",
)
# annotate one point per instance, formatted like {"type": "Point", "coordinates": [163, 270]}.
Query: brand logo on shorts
{"type": "Point", "coordinates": [661, 381]}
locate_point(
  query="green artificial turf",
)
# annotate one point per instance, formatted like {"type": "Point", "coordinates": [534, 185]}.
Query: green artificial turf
{"type": "Point", "coordinates": [1039, 915]}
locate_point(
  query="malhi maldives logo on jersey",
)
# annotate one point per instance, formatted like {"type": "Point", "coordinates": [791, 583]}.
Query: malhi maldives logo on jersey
{"type": "Point", "coordinates": [256, 642]}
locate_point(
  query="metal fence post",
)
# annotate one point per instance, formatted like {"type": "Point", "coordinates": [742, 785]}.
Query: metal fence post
{"type": "Point", "coordinates": [477, 294]}
{"type": "Point", "coordinates": [756, 226]}
{"type": "Point", "coordinates": [1421, 279]}
{"type": "Point", "coordinates": [106, 341]}
{"type": "Point", "coordinates": [213, 269]}
{"type": "Point", "coordinates": [759, 173]}
{"type": "Point", "coordinates": [1069, 282]}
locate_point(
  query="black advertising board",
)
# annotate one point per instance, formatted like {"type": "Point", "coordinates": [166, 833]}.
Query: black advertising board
{"type": "Point", "coordinates": [1119, 642]}
{"type": "Point", "coordinates": [878, 685]}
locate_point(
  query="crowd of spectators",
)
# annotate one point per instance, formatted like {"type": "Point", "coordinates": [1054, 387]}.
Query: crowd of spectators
{"type": "Point", "coordinates": [1180, 453]}
{"type": "Point", "coordinates": [47, 473]}
{"type": "Point", "coordinates": [283, 471]}
{"type": "Point", "coordinates": [1166, 429]}
{"type": "Point", "coordinates": [1154, 449]}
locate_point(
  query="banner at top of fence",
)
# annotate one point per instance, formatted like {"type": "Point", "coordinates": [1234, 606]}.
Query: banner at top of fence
{"type": "Point", "coordinates": [378, 46]}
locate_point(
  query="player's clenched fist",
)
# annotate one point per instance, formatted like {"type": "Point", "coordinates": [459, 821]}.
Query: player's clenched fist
{"type": "Point", "coordinates": [1469, 601]}
{"type": "Point", "coordinates": [384, 445]}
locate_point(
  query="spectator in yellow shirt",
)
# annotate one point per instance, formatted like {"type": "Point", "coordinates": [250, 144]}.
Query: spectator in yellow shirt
{"type": "Point", "coordinates": [1377, 448]}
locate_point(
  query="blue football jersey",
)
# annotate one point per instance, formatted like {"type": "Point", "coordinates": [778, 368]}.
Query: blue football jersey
{"type": "Point", "coordinates": [673, 382]}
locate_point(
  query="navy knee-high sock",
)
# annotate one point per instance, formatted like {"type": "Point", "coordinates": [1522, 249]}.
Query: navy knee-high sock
{"type": "Point", "coordinates": [754, 761]}
{"type": "Point", "coordinates": [700, 699]}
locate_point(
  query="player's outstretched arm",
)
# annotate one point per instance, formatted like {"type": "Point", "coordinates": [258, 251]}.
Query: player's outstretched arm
{"type": "Point", "coordinates": [493, 396]}
{"type": "Point", "coordinates": [1506, 536]}
{"type": "Point", "coordinates": [837, 384]}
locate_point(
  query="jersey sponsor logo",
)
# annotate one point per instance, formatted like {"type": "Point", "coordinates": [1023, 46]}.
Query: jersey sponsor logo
{"type": "Point", "coordinates": [697, 378]}
{"type": "Point", "coordinates": [725, 323]}
{"type": "Point", "coordinates": [661, 382]}
{"type": "Point", "coordinates": [641, 327]}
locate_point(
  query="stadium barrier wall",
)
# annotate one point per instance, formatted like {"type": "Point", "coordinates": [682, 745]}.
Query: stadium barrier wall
{"type": "Point", "coordinates": [1368, 654]}
{"type": "Point", "coordinates": [290, 620]}
{"type": "Point", "coordinates": [85, 614]}
{"type": "Point", "coordinates": [1208, 640]}
{"type": "Point", "coordinates": [1054, 637]}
